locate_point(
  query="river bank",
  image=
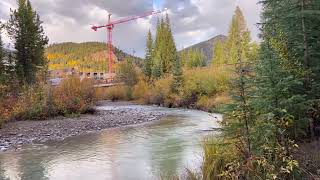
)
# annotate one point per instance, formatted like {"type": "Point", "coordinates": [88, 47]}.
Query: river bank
{"type": "Point", "coordinates": [14, 135]}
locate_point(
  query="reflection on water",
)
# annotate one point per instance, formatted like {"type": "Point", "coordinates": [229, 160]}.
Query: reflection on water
{"type": "Point", "coordinates": [142, 152]}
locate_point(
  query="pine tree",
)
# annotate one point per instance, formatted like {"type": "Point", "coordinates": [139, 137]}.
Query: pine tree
{"type": "Point", "coordinates": [147, 67]}
{"type": "Point", "coordinates": [25, 29]}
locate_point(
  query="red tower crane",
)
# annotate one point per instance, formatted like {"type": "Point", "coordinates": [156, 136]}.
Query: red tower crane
{"type": "Point", "coordinates": [110, 25]}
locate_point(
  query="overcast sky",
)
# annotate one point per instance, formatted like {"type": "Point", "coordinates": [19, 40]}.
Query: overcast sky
{"type": "Point", "coordinates": [192, 21]}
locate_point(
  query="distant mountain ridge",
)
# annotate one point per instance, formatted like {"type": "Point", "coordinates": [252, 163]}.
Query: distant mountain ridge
{"type": "Point", "coordinates": [207, 47]}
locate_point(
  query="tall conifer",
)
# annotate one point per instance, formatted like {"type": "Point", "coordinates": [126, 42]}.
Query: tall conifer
{"type": "Point", "coordinates": [165, 51]}
{"type": "Point", "coordinates": [25, 29]}
{"type": "Point", "coordinates": [290, 29]}
{"type": "Point", "coordinates": [147, 67]}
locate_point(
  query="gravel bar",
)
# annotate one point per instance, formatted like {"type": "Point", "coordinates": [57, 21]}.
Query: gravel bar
{"type": "Point", "coordinates": [14, 135]}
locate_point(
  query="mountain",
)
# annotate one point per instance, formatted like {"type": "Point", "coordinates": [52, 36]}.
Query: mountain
{"type": "Point", "coordinates": [85, 57]}
{"type": "Point", "coordinates": [207, 47]}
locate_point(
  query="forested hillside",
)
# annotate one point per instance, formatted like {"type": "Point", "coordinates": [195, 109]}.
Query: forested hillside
{"type": "Point", "coordinates": [85, 57]}
{"type": "Point", "coordinates": [205, 47]}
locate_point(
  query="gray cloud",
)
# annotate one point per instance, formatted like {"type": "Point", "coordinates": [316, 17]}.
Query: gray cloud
{"type": "Point", "coordinates": [192, 20]}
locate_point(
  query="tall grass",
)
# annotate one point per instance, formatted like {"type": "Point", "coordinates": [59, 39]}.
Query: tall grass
{"type": "Point", "coordinates": [217, 155]}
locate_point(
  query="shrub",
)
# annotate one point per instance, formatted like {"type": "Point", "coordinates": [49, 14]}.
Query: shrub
{"type": "Point", "coordinates": [73, 96]}
{"type": "Point", "coordinates": [127, 72]}
{"type": "Point", "coordinates": [210, 103]}
{"type": "Point", "coordinates": [31, 103]}
{"type": "Point", "coordinates": [116, 93]}
{"type": "Point", "coordinates": [205, 81]}
{"type": "Point", "coordinates": [205, 103]}
{"type": "Point", "coordinates": [161, 90]}
{"type": "Point", "coordinates": [141, 92]}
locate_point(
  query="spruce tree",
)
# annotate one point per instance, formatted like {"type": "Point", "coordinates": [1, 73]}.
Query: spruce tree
{"type": "Point", "coordinates": [165, 51]}
{"type": "Point", "coordinates": [296, 42]}
{"type": "Point", "coordinates": [147, 67]}
{"type": "Point", "coordinates": [25, 29]}
{"type": "Point", "coordinates": [170, 52]}
{"type": "Point", "coordinates": [157, 71]}
{"type": "Point", "coordinates": [278, 92]}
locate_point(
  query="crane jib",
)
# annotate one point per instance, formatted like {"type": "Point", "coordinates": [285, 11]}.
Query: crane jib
{"type": "Point", "coordinates": [110, 26]}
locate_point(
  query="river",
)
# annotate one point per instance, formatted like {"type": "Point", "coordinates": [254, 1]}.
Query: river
{"type": "Point", "coordinates": [147, 151]}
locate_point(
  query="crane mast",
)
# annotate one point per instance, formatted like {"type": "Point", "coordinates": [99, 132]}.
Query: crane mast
{"type": "Point", "coordinates": [110, 25]}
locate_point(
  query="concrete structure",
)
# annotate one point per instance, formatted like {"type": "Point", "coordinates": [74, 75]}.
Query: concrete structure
{"type": "Point", "coordinates": [61, 73]}
{"type": "Point", "coordinates": [100, 77]}
{"type": "Point", "coordinates": [97, 75]}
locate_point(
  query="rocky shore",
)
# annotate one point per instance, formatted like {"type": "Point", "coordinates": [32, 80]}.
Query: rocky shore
{"type": "Point", "coordinates": [14, 135]}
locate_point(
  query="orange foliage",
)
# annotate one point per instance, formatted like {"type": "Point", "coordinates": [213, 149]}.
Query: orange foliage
{"type": "Point", "coordinates": [74, 95]}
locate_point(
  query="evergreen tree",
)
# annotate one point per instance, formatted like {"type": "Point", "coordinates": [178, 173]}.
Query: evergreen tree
{"type": "Point", "coordinates": [278, 93]}
{"type": "Point", "coordinates": [10, 69]}
{"type": "Point", "coordinates": [292, 31]}
{"type": "Point", "coordinates": [25, 29]}
{"type": "Point", "coordinates": [148, 59]}
{"type": "Point", "coordinates": [177, 76]}
{"type": "Point", "coordinates": [158, 54]}
{"type": "Point", "coordinates": [240, 114]}
{"type": "Point", "coordinates": [165, 51]}
{"type": "Point", "coordinates": [157, 66]}
{"type": "Point", "coordinates": [170, 52]}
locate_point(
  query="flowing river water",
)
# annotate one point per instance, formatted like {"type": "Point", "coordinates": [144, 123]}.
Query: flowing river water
{"type": "Point", "coordinates": [147, 151]}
